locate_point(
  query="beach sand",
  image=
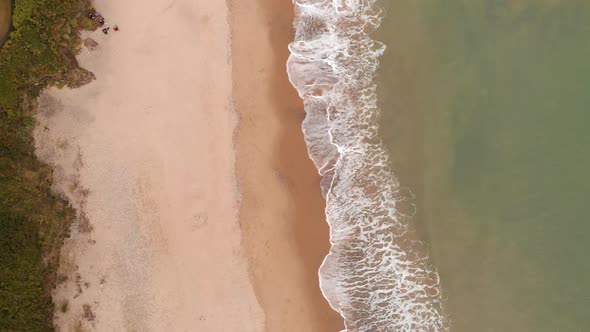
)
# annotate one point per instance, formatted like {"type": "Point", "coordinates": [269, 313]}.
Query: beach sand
{"type": "Point", "coordinates": [282, 210]}
{"type": "Point", "coordinates": [146, 153]}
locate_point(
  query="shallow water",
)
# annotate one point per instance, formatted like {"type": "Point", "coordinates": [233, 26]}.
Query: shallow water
{"type": "Point", "coordinates": [376, 275]}
{"type": "Point", "coordinates": [484, 113]}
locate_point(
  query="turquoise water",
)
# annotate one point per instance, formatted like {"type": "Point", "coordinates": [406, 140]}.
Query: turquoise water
{"type": "Point", "coordinates": [485, 112]}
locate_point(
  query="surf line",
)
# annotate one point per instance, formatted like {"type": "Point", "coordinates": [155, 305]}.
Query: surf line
{"type": "Point", "coordinates": [377, 274]}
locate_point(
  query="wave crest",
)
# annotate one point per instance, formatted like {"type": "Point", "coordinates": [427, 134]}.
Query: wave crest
{"type": "Point", "coordinates": [376, 275]}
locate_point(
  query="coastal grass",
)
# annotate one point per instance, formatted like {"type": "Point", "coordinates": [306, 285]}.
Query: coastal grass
{"type": "Point", "coordinates": [40, 51]}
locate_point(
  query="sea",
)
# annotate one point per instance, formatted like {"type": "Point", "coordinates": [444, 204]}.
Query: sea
{"type": "Point", "coordinates": [452, 141]}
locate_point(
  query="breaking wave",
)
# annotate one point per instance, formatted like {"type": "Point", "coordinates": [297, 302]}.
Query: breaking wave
{"type": "Point", "coordinates": [377, 275]}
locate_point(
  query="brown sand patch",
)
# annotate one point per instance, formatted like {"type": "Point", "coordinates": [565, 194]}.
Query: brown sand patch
{"type": "Point", "coordinates": [5, 12]}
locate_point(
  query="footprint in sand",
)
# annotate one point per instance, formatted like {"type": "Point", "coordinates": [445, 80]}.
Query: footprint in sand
{"type": "Point", "coordinates": [199, 221]}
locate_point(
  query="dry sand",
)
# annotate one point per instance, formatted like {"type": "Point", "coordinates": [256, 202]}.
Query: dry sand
{"type": "Point", "coordinates": [164, 241]}
{"type": "Point", "coordinates": [146, 152]}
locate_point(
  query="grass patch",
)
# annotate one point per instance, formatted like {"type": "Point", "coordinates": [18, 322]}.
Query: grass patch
{"type": "Point", "coordinates": [64, 307]}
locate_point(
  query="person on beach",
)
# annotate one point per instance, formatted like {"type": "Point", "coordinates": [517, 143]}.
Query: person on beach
{"type": "Point", "coordinates": [106, 30]}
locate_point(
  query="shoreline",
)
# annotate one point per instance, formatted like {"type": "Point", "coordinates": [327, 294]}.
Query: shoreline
{"type": "Point", "coordinates": [375, 275]}
{"type": "Point", "coordinates": [293, 229]}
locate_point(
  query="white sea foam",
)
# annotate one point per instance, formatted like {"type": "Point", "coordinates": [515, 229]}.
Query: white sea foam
{"type": "Point", "coordinates": [376, 275]}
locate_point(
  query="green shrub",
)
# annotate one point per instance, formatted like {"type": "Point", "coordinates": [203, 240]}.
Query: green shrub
{"type": "Point", "coordinates": [88, 24]}
{"type": "Point", "coordinates": [33, 223]}
{"type": "Point", "coordinates": [23, 304]}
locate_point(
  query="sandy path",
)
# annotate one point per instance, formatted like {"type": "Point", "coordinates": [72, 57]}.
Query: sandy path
{"type": "Point", "coordinates": [146, 152]}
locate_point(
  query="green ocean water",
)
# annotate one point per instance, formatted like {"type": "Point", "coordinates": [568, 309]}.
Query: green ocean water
{"type": "Point", "coordinates": [486, 115]}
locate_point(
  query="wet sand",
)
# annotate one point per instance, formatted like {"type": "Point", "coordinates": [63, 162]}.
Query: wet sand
{"type": "Point", "coordinates": [282, 210]}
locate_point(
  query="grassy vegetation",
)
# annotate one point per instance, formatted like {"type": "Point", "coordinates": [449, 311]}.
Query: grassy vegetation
{"type": "Point", "coordinates": [33, 223]}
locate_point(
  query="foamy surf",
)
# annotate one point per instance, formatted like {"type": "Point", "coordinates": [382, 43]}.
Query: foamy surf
{"type": "Point", "coordinates": [376, 275]}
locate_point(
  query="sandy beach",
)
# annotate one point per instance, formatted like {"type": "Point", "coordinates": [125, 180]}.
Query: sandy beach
{"type": "Point", "coordinates": [282, 210]}
{"type": "Point", "coordinates": [146, 154]}
{"type": "Point", "coordinates": [185, 223]}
